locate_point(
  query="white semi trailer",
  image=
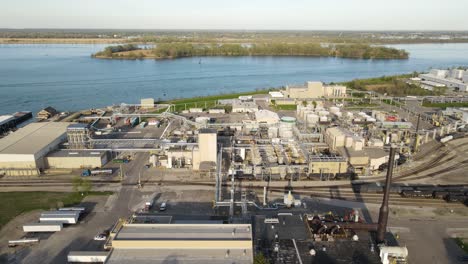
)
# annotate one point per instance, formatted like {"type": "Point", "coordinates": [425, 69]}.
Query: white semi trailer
{"type": "Point", "coordinates": [43, 227]}
{"type": "Point", "coordinates": [87, 256]}
{"type": "Point", "coordinates": [66, 217]}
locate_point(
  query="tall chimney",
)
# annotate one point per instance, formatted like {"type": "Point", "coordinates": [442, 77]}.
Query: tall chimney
{"type": "Point", "coordinates": [383, 213]}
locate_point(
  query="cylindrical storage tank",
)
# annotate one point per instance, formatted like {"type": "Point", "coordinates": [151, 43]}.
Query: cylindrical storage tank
{"type": "Point", "coordinates": [323, 113]}
{"type": "Point", "coordinates": [288, 119]}
{"type": "Point", "coordinates": [323, 119]}
{"type": "Point", "coordinates": [334, 109]}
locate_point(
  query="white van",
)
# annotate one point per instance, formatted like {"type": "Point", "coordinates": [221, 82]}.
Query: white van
{"type": "Point", "coordinates": [162, 207]}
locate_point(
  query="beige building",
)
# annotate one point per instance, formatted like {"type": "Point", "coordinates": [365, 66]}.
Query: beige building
{"type": "Point", "coordinates": [328, 164]}
{"type": "Point", "coordinates": [22, 152]}
{"type": "Point", "coordinates": [66, 159]}
{"type": "Point", "coordinates": [182, 243]}
{"type": "Point", "coordinates": [203, 156]}
{"type": "Point", "coordinates": [367, 160]}
{"type": "Point", "coordinates": [147, 103]}
{"type": "Point", "coordinates": [244, 107]}
{"type": "Point", "coordinates": [337, 137]}
{"type": "Point", "coordinates": [315, 90]}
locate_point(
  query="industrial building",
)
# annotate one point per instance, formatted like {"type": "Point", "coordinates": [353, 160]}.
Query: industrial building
{"type": "Point", "coordinates": [314, 90]}
{"type": "Point", "coordinates": [22, 152]}
{"type": "Point", "coordinates": [202, 157]}
{"type": "Point", "coordinates": [182, 243]}
{"type": "Point", "coordinates": [8, 122]}
{"type": "Point", "coordinates": [147, 103]}
{"type": "Point", "coordinates": [239, 106]}
{"type": "Point", "coordinates": [77, 136]}
{"type": "Point", "coordinates": [454, 79]}
{"type": "Point", "coordinates": [72, 159]}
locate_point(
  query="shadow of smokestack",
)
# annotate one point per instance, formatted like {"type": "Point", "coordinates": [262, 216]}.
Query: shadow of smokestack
{"type": "Point", "coordinates": [383, 213]}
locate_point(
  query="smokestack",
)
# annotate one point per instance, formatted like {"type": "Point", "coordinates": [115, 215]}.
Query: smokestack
{"type": "Point", "coordinates": [383, 213]}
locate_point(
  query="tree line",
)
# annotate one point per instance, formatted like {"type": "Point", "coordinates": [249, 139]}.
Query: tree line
{"type": "Point", "coordinates": [179, 50]}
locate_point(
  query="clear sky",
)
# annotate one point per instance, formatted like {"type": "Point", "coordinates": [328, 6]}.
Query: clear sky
{"type": "Point", "coordinates": [237, 14]}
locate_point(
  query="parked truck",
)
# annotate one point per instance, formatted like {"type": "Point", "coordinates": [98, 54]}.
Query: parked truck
{"type": "Point", "coordinates": [101, 172]}
{"type": "Point", "coordinates": [86, 173]}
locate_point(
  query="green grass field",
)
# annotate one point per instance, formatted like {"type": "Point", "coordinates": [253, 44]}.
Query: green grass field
{"type": "Point", "coordinates": [285, 107]}
{"type": "Point", "coordinates": [206, 102]}
{"type": "Point", "coordinates": [15, 203]}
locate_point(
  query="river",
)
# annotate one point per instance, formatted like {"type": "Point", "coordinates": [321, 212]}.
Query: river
{"type": "Point", "coordinates": [33, 76]}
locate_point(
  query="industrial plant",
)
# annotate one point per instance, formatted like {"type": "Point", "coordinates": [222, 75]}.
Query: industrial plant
{"type": "Point", "coordinates": [262, 158]}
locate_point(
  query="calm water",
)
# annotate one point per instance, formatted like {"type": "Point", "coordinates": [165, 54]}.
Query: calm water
{"type": "Point", "coordinates": [65, 77]}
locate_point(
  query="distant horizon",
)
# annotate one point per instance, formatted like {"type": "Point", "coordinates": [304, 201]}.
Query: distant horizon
{"type": "Point", "coordinates": [353, 15]}
{"type": "Point", "coordinates": [247, 30]}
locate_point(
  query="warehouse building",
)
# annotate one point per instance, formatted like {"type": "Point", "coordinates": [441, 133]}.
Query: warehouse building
{"type": "Point", "coordinates": [67, 159]}
{"type": "Point", "coordinates": [182, 243]}
{"type": "Point", "coordinates": [23, 151]}
{"type": "Point", "coordinates": [239, 106]}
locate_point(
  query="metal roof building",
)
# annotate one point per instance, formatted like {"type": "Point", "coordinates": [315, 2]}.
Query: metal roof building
{"type": "Point", "coordinates": [182, 243]}
{"type": "Point", "coordinates": [26, 147]}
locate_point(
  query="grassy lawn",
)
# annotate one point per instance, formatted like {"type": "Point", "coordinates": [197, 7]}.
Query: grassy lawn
{"type": "Point", "coordinates": [206, 102]}
{"type": "Point", "coordinates": [16, 203]}
{"type": "Point", "coordinates": [444, 105]}
{"type": "Point", "coordinates": [203, 99]}
{"type": "Point", "coordinates": [462, 243]}
{"type": "Point", "coordinates": [285, 107]}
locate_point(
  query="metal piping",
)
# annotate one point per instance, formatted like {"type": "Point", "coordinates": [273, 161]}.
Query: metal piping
{"type": "Point", "coordinates": [383, 213]}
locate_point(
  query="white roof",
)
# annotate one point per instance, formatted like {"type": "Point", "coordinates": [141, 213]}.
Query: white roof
{"type": "Point", "coordinates": [180, 256]}
{"type": "Point", "coordinates": [276, 94]}
{"type": "Point", "coordinates": [32, 138]}
{"type": "Point", "coordinates": [184, 231]}
{"type": "Point", "coordinates": [266, 116]}
{"type": "Point", "coordinates": [5, 118]}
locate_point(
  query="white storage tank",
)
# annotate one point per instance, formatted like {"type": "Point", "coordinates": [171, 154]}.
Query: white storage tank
{"type": "Point", "coordinates": [286, 125]}
{"type": "Point", "coordinates": [334, 109]}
